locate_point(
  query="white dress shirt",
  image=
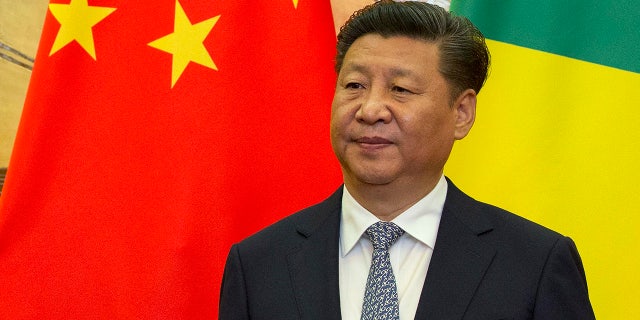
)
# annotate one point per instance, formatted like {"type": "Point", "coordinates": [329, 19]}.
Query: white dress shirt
{"type": "Point", "coordinates": [410, 254]}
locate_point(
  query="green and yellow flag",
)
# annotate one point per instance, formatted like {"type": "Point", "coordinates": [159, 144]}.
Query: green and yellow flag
{"type": "Point", "coordinates": [556, 137]}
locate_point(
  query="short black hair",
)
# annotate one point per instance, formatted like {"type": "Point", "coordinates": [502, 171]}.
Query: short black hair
{"type": "Point", "coordinates": [464, 56]}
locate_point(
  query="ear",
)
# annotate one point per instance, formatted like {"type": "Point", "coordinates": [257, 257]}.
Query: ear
{"type": "Point", "coordinates": [465, 108]}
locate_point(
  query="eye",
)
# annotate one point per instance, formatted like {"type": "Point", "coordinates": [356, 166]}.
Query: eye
{"type": "Point", "coordinates": [400, 90]}
{"type": "Point", "coordinates": [354, 85]}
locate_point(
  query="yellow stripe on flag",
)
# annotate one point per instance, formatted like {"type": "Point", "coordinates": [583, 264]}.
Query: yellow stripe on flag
{"type": "Point", "coordinates": [556, 141]}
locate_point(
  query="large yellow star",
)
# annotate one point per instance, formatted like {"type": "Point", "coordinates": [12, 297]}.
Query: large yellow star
{"type": "Point", "coordinates": [186, 43]}
{"type": "Point", "coordinates": [76, 20]}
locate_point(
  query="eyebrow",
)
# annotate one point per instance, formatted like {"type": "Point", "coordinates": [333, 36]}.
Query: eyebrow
{"type": "Point", "coordinates": [394, 72]}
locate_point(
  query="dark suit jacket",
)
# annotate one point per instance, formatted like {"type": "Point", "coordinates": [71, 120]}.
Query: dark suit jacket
{"type": "Point", "coordinates": [487, 264]}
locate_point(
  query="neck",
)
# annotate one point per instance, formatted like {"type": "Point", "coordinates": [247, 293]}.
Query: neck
{"type": "Point", "coordinates": [388, 201]}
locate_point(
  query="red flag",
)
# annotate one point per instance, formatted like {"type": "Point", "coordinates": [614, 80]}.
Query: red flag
{"type": "Point", "coordinates": [156, 133]}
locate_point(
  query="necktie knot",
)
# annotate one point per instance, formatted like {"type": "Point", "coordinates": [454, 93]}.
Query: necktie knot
{"type": "Point", "coordinates": [383, 234]}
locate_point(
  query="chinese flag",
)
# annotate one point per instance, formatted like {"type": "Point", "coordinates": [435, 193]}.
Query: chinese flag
{"type": "Point", "coordinates": [155, 134]}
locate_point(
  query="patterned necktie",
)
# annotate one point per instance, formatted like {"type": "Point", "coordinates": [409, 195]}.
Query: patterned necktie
{"type": "Point", "coordinates": [381, 294]}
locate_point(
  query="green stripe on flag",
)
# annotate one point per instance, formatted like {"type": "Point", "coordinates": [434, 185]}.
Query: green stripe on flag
{"type": "Point", "coordinates": [601, 31]}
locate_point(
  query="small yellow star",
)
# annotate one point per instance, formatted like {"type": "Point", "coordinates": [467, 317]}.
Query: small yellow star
{"type": "Point", "coordinates": [186, 43]}
{"type": "Point", "coordinates": [295, 4]}
{"type": "Point", "coordinates": [76, 20]}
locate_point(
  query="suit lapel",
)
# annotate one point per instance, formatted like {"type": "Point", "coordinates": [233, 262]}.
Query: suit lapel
{"type": "Point", "coordinates": [459, 259]}
{"type": "Point", "coordinates": [313, 265]}
{"type": "Point", "coordinates": [457, 266]}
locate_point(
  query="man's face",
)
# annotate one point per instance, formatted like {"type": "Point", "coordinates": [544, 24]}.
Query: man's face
{"type": "Point", "coordinates": [392, 120]}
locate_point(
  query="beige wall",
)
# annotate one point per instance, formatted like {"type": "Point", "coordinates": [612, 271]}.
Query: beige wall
{"type": "Point", "coordinates": [342, 10]}
{"type": "Point", "coordinates": [20, 26]}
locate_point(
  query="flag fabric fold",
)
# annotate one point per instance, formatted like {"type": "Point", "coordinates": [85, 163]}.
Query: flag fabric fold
{"type": "Point", "coordinates": [555, 137]}
{"type": "Point", "coordinates": [154, 135]}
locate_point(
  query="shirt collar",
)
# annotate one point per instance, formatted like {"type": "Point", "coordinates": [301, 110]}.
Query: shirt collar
{"type": "Point", "coordinates": [420, 221]}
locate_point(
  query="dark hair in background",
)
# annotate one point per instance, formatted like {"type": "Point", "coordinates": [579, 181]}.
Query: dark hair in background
{"type": "Point", "coordinates": [3, 173]}
{"type": "Point", "coordinates": [464, 57]}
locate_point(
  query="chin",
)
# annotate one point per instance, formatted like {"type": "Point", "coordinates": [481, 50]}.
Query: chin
{"type": "Point", "coordinates": [369, 173]}
{"type": "Point", "coordinates": [373, 178]}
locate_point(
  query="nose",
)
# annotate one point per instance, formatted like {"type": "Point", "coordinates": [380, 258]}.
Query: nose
{"type": "Point", "coordinates": [374, 108]}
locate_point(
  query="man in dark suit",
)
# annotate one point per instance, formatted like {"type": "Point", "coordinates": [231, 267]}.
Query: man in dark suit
{"type": "Point", "coordinates": [408, 77]}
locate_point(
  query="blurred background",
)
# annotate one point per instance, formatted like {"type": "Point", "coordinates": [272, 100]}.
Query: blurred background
{"type": "Point", "coordinates": [20, 27]}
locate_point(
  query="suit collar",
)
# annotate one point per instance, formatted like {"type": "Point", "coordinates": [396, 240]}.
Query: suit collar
{"type": "Point", "coordinates": [315, 218]}
{"type": "Point", "coordinates": [459, 259]}
{"type": "Point", "coordinates": [466, 210]}
{"type": "Point", "coordinates": [313, 265]}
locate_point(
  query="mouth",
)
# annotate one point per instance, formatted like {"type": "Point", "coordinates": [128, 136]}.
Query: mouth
{"type": "Point", "coordinates": [373, 142]}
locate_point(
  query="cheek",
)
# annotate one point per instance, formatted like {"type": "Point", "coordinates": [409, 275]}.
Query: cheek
{"type": "Point", "coordinates": [336, 128]}
{"type": "Point", "coordinates": [428, 132]}
{"type": "Point", "coordinates": [341, 117]}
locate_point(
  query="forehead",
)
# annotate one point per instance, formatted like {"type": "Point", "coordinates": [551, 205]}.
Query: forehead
{"type": "Point", "coordinates": [401, 55]}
